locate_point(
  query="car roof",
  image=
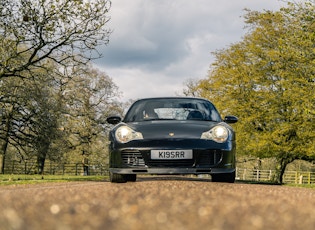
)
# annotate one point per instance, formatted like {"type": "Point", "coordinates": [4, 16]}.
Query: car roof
{"type": "Point", "coordinates": [180, 97]}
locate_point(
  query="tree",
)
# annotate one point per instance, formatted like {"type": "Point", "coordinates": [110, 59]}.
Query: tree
{"type": "Point", "coordinates": [29, 115]}
{"type": "Point", "coordinates": [40, 41]}
{"type": "Point", "coordinates": [32, 32]}
{"type": "Point", "coordinates": [55, 116]}
{"type": "Point", "coordinates": [268, 80]}
{"type": "Point", "coordinates": [89, 97]}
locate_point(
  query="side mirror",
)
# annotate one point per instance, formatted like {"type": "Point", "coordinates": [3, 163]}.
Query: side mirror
{"type": "Point", "coordinates": [113, 120]}
{"type": "Point", "coordinates": [230, 119]}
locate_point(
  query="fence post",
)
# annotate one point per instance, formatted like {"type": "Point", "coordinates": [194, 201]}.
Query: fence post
{"type": "Point", "coordinates": [244, 174]}
{"type": "Point", "coordinates": [257, 174]}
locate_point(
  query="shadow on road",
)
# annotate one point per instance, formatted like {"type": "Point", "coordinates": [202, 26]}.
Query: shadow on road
{"type": "Point", "coordinates": [173, 177]}
{"type": "Point", "coordinates": [204, 178]}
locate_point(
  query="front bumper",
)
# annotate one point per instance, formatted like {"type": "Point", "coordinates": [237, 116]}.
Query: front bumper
{"type": "Point", "coordinates": [208, 158]}
{"type": "Point", "coordinates": [172, 171]}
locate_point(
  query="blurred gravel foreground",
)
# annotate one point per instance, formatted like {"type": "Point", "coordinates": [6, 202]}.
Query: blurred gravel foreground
{"type": "Point", "coordinates": [156, 203]}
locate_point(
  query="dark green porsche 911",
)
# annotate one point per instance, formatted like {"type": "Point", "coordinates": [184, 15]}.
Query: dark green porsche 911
{"type": "Point", "coordinates": [172, 135]}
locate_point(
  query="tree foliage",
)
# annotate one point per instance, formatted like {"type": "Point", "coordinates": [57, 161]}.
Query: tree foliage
{"type": "Point", "coordinates": [57, 117]}
{"type": "Point", "coordinates": [52, 102]}
{"type": "Point", "coordinates": [32, 32]}
{"type": "Point", "coordinates": [268, 80]}
{"type": "Point", "coordinates": [89, 98]}
{"type": "Point", "coordinates": [28, 116]}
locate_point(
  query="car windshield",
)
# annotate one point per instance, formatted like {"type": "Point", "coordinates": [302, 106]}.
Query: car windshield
{"type": "Point", "coordinates": [172, 109]}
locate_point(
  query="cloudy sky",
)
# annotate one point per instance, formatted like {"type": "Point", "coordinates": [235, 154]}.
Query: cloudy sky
{"type": "Point", "coordinates": [157, 45]}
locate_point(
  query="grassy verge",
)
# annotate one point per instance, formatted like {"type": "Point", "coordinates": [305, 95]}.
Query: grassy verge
{"type": "Point", "coordinates": [302, 185]}
{"type": "Point", "coordinates": [12, 179]}
{"type": "Point", "coordinates": [273, 183]}
{"type": "Point", "coordinates": [35, 179]}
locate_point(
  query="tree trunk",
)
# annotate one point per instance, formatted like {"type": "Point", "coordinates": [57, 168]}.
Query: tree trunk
{"type": "Point", "coordinates": [3, 153]}
{"type": "Point", "coordinates": [42, 148]}
{"type": "Point", "coordinates": [4, 147]}
{"type": "Point", "coordinates": [40, 164]}
{"type": "Point", "coordinates": [2, 158]}
{"type": "Point", "coordinates": [282, 164]}
{"type": "Point", "coordinates": [41, 157]}
{"type": "Point", "coordinates": [281, 173]}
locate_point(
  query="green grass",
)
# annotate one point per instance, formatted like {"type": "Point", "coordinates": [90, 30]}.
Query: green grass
{"type": "Point", "coordinates": [273, 183]}
{"type": "Point", "coordinates": [12, 179]}
{"type": "Point", "coordinates": [302, 185]}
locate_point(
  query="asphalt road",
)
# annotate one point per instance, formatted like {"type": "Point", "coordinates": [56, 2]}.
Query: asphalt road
{"type": "Point", "coordinates": [156, 203]}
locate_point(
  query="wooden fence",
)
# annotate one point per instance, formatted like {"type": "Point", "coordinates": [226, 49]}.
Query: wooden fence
{"type": "Point", "coordinates": [290, 177]}
{"type": "Point", "coordinates": [53, 168]}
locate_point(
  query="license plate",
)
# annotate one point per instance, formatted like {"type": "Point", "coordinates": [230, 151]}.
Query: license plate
{"type": "Point", "coordinates": [171, 154]}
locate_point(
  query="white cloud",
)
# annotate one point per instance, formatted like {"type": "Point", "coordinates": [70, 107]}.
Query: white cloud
{"type": "Point", "coordinates": [157, 45]}
{"type": "Point", "coordinates": [138, 83]}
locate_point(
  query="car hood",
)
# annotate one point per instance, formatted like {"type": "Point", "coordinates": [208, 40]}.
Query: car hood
{"type": "Point", "coordinates": [172, 129]}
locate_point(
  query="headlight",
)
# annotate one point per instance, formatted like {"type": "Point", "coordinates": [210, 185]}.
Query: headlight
{"type": "Point", "coordinates": [218, 133]}
{"type": "Point", "coordinates": [125, 134]}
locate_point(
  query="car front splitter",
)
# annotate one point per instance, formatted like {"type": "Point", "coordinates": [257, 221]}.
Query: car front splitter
{"type": "Point", "coordinates": [166, 171]}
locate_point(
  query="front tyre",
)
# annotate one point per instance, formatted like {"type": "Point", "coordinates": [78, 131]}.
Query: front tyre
{"type": "Point", "coordinates": [117, 178]}
{"type": "Point", "coordinates": [224, 177]}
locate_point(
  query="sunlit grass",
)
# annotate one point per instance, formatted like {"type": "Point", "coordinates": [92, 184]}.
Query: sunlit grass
{"type": "Point", "coordinates": [273, 183]}
{"type": "Point", "coordinates": [302, 185]}
{"type": "Point", "coordinates": [13, 179]}
{"type": "Point", "coordinates": [9, 179]}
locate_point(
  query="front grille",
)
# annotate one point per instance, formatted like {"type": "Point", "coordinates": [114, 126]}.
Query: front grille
{"type": "Point", "coordinates": [132, 158]}
{"type": "Point", "coordinates": [201, 158]}
{"type": "Point", "coordinates": [208, 158]}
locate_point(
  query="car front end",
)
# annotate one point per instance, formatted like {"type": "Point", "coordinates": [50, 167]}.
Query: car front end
{"type": "Point", "coordinates": [172, 147]}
